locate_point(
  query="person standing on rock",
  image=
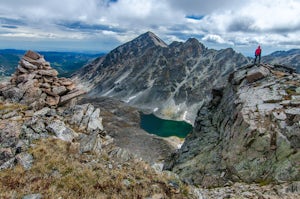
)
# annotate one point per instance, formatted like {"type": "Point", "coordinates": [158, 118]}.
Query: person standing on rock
{"type": "Point", "coordinates": [257, 54]}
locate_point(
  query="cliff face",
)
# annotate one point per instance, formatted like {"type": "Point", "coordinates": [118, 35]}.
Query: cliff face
{"type": "Point", "coordinates": [249, 131]}
{"type": "Point", "coordinates": [145, 71]}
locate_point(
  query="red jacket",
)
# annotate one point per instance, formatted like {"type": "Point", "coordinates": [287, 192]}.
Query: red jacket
{"type": "Point", "coordinates": [258, 51]}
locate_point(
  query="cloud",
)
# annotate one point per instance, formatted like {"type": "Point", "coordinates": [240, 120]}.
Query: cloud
{"type": "Point", "coordinates": [226, 22]}
{"type": "Point", "coordinates": [214, 39]}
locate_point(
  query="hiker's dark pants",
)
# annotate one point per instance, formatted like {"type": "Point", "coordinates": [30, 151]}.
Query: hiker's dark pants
{"type": "Point", "coordinates": [256, 58]}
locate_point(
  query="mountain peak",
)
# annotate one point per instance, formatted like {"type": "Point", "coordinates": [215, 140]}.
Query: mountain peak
{"type": "Point", "coordinates": [150, 36]}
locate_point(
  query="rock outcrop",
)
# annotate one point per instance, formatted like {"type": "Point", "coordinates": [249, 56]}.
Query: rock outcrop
{"type": "Point", "coordinates": [36, 84]}
{"type": "Point", "coordinates": [249, 131]}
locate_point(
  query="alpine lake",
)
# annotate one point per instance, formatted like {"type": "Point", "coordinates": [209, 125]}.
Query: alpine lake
{"type": "Point", "coordinates": [164, 128]}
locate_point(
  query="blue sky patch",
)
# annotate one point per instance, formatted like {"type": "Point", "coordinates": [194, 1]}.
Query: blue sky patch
{"type": "Point", "coordinates": [195, 17]}
{"type": "Point", "coordinates": [8, 26]}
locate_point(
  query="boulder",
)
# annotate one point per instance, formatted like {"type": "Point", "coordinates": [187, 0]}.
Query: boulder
{"type": "Point", "coordinates": [95, 121]}
{"type": "Point", "coordinates": [85, 120]}
{"type": "Point", "coordinates": [31, 95]}
{"type": "Point", "coordinates": [61, 130]}
{"type": "Point", "coordinates": [91, 143]}
{"type": "Point", "coordinates": [33, 196]}
{"type": "Point", "coordinates": [25, 159]}
{"type": "Point", "coordinates": [256, 74]}
{"type": "Point", "coordinates": [77, 114]}
{"type": "Point", "coordinates": [59, 90]}
{"type": "Point", "coordinates": [69, 96]}
{"type": "Point", "coordinates": [13, 94]}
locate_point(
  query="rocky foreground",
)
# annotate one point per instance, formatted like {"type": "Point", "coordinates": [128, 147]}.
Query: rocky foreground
{"type": "Point", "coordinates": [53, 145]}
{"type": "Point", "coordinates": [56, 143]}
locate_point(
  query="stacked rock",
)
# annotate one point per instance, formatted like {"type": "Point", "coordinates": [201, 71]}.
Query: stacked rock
{"type": "Point", "coordinates": [36, 84]}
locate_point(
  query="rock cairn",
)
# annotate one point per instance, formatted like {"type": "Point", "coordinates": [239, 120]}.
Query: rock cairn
{"type": "Point", "coordinates": [36, 84]}
{"type": "Point", "coordinates": [35, 105]}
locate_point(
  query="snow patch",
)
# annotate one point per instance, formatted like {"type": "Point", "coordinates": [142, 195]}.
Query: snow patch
{"type": "Point", "coordinates": [133, 97]}
{"type": "Point", "coordinates": [122, 77]}
{"type": "Point", "coordinates": [108, 92]}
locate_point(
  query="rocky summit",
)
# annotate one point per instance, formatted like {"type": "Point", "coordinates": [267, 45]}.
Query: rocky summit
{"type": "Point", "coordinates": [248, 132]}
{"type": "Point", "coordinates": [145, 71]}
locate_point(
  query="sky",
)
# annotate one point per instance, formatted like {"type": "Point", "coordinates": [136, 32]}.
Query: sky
{"type": "Point", "coordinates": [102, 25]}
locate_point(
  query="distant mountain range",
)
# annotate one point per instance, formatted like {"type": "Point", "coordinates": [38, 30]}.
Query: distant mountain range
{"type": "Point", "coordinates": [289, 58]}
{"type": "Point", "coordinates": [170, 80]}
{"type": "Point", "coordinates": [64, 62]}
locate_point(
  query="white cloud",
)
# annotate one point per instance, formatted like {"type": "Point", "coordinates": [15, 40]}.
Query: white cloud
{"type": "Point", "coordinates": [228, 22]}
{"type": "Point", "coordinates": [214, 39]}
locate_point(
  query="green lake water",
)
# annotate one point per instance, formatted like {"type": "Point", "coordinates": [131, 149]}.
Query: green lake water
{"type": "Point", "coordinates": [164, 128]}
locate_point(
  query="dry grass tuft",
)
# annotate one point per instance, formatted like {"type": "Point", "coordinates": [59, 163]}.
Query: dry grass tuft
{"type": "Point", "coordinates": [12, 106]}
{"type": "Point", "coordinates": [60, 171]}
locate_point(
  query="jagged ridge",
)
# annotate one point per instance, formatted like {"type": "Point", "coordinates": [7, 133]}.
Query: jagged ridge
{"type": "Point", "coordinates": [248, 132]}
{"type": "Point", "coordinates": [178, 76]}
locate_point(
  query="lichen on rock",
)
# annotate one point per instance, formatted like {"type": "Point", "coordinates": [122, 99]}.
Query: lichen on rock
{"type": "Point", "coordinates": [250, 133]}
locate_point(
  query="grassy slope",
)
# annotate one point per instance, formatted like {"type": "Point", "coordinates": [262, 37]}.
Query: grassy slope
{"type": "Point", "coordinates": [60, 171]}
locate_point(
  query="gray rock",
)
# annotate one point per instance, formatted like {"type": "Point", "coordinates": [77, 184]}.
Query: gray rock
{"type": "Point", "coordinates": [91, 143]}
{"type": "Point", "coordinates": [31, 95]}
{"type": "Point", "coordinates": [95, 121]}
{"type": "Point", "coordinates": [69, 96]}
{"type": "Point", "coordinates": [8, 164]}
{"type": "Point", "coordinates": [25, 159]}
{"type": "Point", "coordinates": [293, 111]}
{"type": "Point", "coordinates": [33, 196]}
{"type": "Point", "coordinates": [13, 94]}
{"type": "Point", "coordinates": [38, 125]}
{"type": "Point", "coordinates": [10, 114]}
{"type": "Point", "coordinates": [279, 115]}
{"type": "Point", "coordinates": [86, 117]}
{"type": "Point", "coordinates": [256, 74]}
{"type": "Point", "coordinates": [61, 130]}
{"type": "Point", "coordinates": [250, 135]}
{"type": "Point", "coordinates": [78, 113]}
{"type": "Point", "coordinates": [42, 112]}
{"type": "Point", "coordinates": [59, 90]}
